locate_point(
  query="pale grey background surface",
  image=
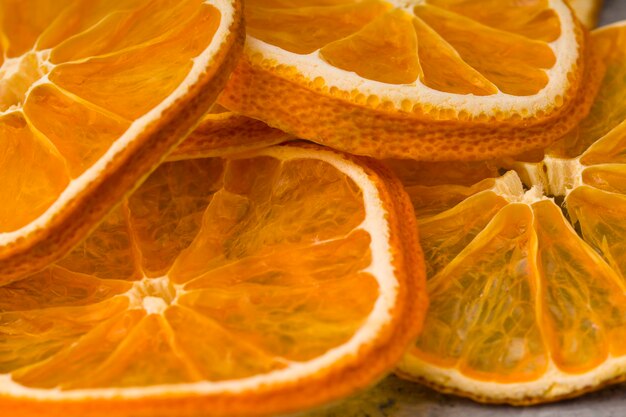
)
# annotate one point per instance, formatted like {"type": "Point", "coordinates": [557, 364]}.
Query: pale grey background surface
{"type": "Point", "coordinates": [397, 398]}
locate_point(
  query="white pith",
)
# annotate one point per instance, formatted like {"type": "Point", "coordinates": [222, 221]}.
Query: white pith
{"type": "Point", "coordinates": [381, 268]}
{"type": "Point", "coordinates": [312, 66]}
{"type": "Point", "coordinates": [554, 383]}
{"type": "Point", "coordinates": [77, 185]}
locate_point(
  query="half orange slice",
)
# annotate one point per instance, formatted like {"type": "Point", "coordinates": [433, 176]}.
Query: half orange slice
{"type": "Point", "coordinates": [527, 279]}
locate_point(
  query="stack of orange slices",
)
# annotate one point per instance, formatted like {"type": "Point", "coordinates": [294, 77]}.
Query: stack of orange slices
{"type": "Point", "coordinates": [172, 243]}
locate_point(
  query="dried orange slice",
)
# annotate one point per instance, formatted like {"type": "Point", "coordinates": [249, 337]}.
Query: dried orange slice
{"type": "Point", "coordinates": [527, 282]}
{"type": "Point", "coordinates": [420, 79]}
{"type": "Point", "coordinates": [587, 11]}
{"type": "Point", "coordinates": [222, 132]}
{"type": "Point", "coordinates": [259, 284]}
{"type": "Point", "coordinates": [93, 94]}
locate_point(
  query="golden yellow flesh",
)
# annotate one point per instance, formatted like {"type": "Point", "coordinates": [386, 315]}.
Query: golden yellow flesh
{"type": "Point", "coordinates": [213, 270]}
{"type": "Point", "coordinates": [74, 76]}
{"type": "Point", "coordinates": [453, 46]}
{"type": "Point", "coordinates": [527, 287]}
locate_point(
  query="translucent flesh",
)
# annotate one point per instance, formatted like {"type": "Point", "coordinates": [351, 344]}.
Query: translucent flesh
{"type": "Point", "coordinates": [600, 215]}
{"type": "Point", "coordinates": [583, 314]}
{"type": "Point", "coordinates": [481, 235]}
{"type": "Point", "coordinates": [462, 47]}
{"type": "Point", "coordinates": [98, 66]}
{"type": "Point", "coordinates": [396, 52]}
{"type": "Point", "coordinates": [81, 133]}
{"type": "Point", "coordinates": [444, 69]}
{"type": "Point", "coordinates": [529, 18]}
{"type": "Point", "coordinates": [307, 29]}
{"type": "Point", "coordinates": [22, 23]}
{"type": "Point", "coordinates": [512, 62]}
{"type": "Point", "coordinates": [450, 231]}
{"type": "Point", "coordinates": [32, 173]}
{"type": "Point", "coordinates": [213, 270]}
{"type": "Point", "coordinates": [481, 318]}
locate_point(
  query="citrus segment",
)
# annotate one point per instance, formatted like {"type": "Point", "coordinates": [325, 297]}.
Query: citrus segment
{"type": "Point", "coordinates": [305, 29]}
{"type": "Point", "coordinates": [100, 92]}
{"type": "Point", "coordinates": [512, 62]}
{"type": "Point", "coordinates": [532, 19]}
{"type": "Point", "coordinates": [584, 340]}
{"type": "Point", "coordinates": [526, 284]}
{"type": "Point", "coordinates": [398, 63]}
{"type": "Point", "coordinates": [426, 80]}
{"type": "Point", "coordinates": [61, 119]}
{"type": "Point", "coordinates": [35, 171]}
{"type": "Point", "coordinates": [263, 283]}
{"type": "Point", "coordinates": [444, 69]}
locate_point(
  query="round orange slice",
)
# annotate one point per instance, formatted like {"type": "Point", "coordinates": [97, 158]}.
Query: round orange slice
{"type": "Point", "coordinates": [222, 132]}
{"type": "Point", "coordinates": [527, 279]}
{"type": "Point", "coordinates": [420, 79]}
{"type": "Point", "coordinates": [93, 95]}
{"type": "Point", "coordinates": [264, 283]}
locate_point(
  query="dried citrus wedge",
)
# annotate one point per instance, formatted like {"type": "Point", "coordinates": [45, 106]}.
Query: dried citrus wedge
{"type": "Point", "coordinates": [587, 11]}
{"type": "Point", "coordinates": [93, 94]}
{"type": "Point", "coordinates": [420, 79]}
{"type": "Point", "coordinates": [527, 282]}
{"type": "Point", "coordinates": [263, 283]}
{"type": "Point", "coordinates": [222, 132]}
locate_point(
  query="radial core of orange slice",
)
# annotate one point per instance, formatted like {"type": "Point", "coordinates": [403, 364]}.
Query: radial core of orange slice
{"type": "Point", "coordinates": [93, 94]}
{"type": "Point", "coordinates": [527, 280]}
{"type": "Point", "coordinates": [423, 79]}
{"type": "Point", "coordinates": [259, 284]}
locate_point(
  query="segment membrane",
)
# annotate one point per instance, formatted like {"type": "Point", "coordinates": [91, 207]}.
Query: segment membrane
{"type": "Point", "coordinates": [130, 83]}
{"type": "Point", "coordinates": [217, 353]}
{"type": "Point", "coordinates": [80, 133]}
{"type": "Point", "coordinates": [600, 215]}
{"type": "Point", "coordinates": [481, 318]}
{"type": "Point", "coordinates": [146, 356]}
{"type": "Point", "coordinates": [384, 50]}
{"type": "Point", "coordinates": [23, 22]}
{"type": "Point", "coordinates": [32, 173]}
{"type": "Point", "coordinates": [166, 212]}
{"type": "Point", "coordinates": [122, 30]}
{"type": "Point", "coordinates": [583, 304]}
{"type": "Point", "coordinates": [307, 29]}
{"type": "Point", "coordinates": [31, 336]}
{"type": "Point", "coordinates": [108, 252]}
{"type": "Point", "coordinates": [512, 62]}
{"type": "Point", "coordinates": [78, 361]}
{"type": "Point", "coordinates": [444, 69]}
{"type": "Point", "coordinates": [530, 18]}
{"type": "Point", "coordinates": [57, 287]}
{"type": "Point", "coordinates": [265, 203]}
{"type": "Point", "coordinates": [444, 235]}
{"type": "Point", "coordinates": [299, 322]}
